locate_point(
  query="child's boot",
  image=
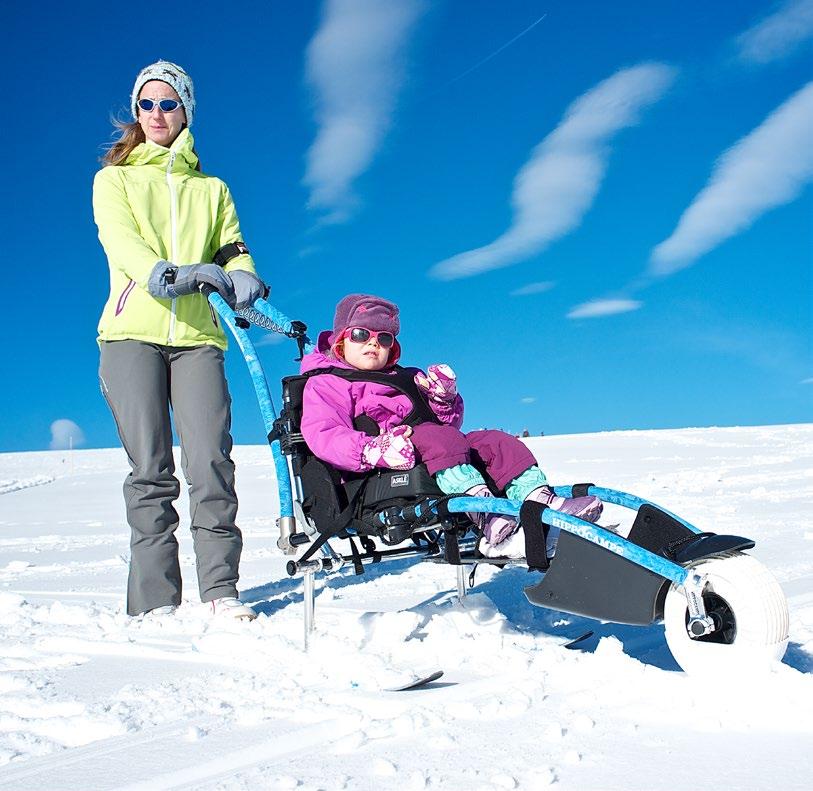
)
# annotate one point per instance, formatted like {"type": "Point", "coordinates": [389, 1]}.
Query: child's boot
{"type": "Point", "coordinates": [533, 485]}
{"type": "Point", "coordinates": [496, 527]}
{"type": "Point", "coordinates": [466, 478]}
{"type": "Point", "coordinates": [588, 508]}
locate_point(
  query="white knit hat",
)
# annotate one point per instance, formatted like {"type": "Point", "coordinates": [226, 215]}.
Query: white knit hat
{"type": "Point", "coordinates": [172, 75]}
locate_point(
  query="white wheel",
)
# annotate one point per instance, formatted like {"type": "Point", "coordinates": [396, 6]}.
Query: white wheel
{"type": "Point", "coordinates": [750, 614]}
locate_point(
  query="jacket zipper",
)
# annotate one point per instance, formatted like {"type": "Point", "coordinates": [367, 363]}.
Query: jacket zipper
{"type": "Point", "coordinates": [123, 296]}
{"type": "Point", "coordinates": [173, 217]}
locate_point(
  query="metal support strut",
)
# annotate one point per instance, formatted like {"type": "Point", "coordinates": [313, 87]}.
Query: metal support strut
{"type": "Point", "coordinates": [309, 596]}
{"type": "Point", "coordinates": [461, 582]}
{"type": "Point", "coordinates": [700, 623]}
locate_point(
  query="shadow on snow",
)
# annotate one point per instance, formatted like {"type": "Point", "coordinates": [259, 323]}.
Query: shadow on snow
{"type": "Point", "coordinates": [647, 644]}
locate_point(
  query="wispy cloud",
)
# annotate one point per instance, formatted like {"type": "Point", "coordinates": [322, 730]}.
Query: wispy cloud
{"type": "Point", "coordinates": [355, 67]}
{"type": "Point", "coordinates": [533, 288]}
{"type": "Point", "coordinates": [778, 34]}
{"type": "Point", "coordinates": [808, 381]}
{"type": "Point", "coordinates": [560, 181]}
{"type": "Point", "coordinates": [66, 434]}
{"type": "Point", "coordinates": [603, 307]}
{"type": "Point", "coordinates": [780, 351]}
{"type": "Point", "coordinates": [272, 339]}
{"type": "Point", "coordinates": [528, 400]}
{"type": "Point", "coordinates": [767, 168]}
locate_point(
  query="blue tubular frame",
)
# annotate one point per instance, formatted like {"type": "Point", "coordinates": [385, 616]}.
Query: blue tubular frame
{"type": "Point", "coordinates": [269, 413]}
{"type": "Point", "coordinates": [624, 499]}
{"type": "Point", "coordinates": [572, 524]}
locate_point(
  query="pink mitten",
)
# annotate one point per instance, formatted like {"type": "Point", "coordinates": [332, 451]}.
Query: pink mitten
{"type": "Point", "coordinates": [439, 383]}
{"type": "Point", "coordinates": [392, 449]}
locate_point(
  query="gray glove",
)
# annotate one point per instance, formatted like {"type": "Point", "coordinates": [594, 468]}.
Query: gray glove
{"type": "Point", "coordinates": [247, 288]}
{"type": "Point", "coordinates": [168, 282]}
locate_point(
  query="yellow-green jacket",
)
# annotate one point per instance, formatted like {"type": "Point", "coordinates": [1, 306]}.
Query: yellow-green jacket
{"type": "Point", "coordinates": [158, 207]}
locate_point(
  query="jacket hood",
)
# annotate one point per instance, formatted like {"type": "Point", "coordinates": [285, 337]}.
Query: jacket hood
{"type": "Point", "coordinates": [150, 153]}
{"type": "Point", "coordinates": [322, 357]}
{"type": "Point", "coordinates": [323, 341]}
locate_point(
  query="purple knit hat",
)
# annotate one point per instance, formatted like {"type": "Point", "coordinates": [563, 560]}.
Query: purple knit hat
{"type": "Point", "coordinates": [365, 310]}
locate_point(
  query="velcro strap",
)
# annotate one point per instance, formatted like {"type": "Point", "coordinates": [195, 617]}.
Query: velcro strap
{"type": "Point", "coordinates": [370, 548]}
{"type": "Point", "coordinates": [451, 547]}
{"type": "Point", "coordinates": [580, 489]}
{"type": "Point", "coordinates": [229, 251]}
{"type": "Point", "coordinates": [536, 535]}
{"type": "Point", "coordinates": [358, 567]}
{"type": "Point", "coordinates": [442, 506]}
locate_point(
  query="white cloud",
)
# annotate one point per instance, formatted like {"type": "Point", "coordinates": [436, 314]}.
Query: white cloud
{"type": "Point", "coordinates": [603, 307]}
{"type": "Point", "coordinates": [273, 339]}
{"type": "Point", "coordinates": [781, 351]}
{"type": "Point", "coordinates": [66, 434]}
{"type": "Point", "coordinates": [808, 381]}
{"type": "Point", "coordinates": [560, 181]}
{"type": "Point", "coordinates": [528, 400]}
{"type": "Point", "coordinates": [767, 168]}
{"type": "Point", "coordinates": [778, 34]}
{"type": "Point", "coordinates": [533, 288]}
{"type": "Point", "coordinates": [354, 64]}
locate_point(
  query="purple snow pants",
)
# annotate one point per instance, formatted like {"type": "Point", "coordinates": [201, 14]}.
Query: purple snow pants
{"type": "Point", "coordinates": [503, 455]}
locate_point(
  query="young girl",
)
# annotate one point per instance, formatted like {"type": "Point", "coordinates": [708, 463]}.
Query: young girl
{"type": "Point", "coordinates": [364, 338]}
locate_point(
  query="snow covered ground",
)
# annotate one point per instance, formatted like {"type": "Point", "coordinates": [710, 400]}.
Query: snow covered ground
{"type": "Point", "coordinates": [93, 699]}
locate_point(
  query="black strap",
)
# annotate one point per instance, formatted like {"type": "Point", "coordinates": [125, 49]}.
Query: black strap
{"type": "Point", "coordinates": [342, 520]}
{"type": "Point", "coordinates": [536, 535]}
{"type": "Point", "coordinates": [370, 548]}
{"type": "Point", "coordinates": [580, 489]}
{"type": "Point", "coordinates": [442, 506]}
{"type": "Point", "coordinates": [229, 251]}
{"type": "Point", "coordinates": [370, 551]}
{"type": "Point", "coordinates": [451, 547]}
{"type": "Point", "coordinates": [278, 430]}
{"type": "Point", "coordinates": [358, 567]}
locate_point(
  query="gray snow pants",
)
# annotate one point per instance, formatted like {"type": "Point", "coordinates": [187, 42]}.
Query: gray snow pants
{"type": "Point", "coordinates": [141, 382]}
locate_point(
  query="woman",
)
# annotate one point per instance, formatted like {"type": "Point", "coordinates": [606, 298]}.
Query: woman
{"type": "Point", "coordinates": [167, 230]}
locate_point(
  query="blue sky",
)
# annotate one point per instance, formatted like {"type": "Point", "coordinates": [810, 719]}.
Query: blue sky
{"type": "Point", "coordinates": [599, 213]}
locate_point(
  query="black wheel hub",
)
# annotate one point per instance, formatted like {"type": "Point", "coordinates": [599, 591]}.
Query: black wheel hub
{"type": "Point", "coordinates": [720, 612]}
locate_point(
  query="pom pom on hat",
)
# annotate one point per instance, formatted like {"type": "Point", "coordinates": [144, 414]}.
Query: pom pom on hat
{"type": "Point", "coordinates": [172, 74]}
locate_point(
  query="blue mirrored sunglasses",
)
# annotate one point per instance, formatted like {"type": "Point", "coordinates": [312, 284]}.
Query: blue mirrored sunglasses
{"type": "Point", "coordinates": [164, 105]}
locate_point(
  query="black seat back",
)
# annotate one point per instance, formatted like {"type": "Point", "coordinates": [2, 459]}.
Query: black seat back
{"type": "Point", "coordinates": [330, 494]}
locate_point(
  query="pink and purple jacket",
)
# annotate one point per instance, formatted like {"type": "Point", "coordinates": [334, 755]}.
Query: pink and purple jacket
{"type": "Point", "coordinates": [330, 404]}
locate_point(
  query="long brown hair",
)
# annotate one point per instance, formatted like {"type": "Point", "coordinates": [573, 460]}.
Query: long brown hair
{"type": "Point", "coordinates": [131, 136]}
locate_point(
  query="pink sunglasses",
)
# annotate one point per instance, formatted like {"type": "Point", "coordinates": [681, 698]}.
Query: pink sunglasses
{"type": "Point", "coordinates": [362, 335]}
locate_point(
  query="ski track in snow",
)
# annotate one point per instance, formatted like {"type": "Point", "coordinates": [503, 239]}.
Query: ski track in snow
{"type": "Point", "coordinates": [14, 485]}
{"type": "Point", "coordinates": [93, 699]}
